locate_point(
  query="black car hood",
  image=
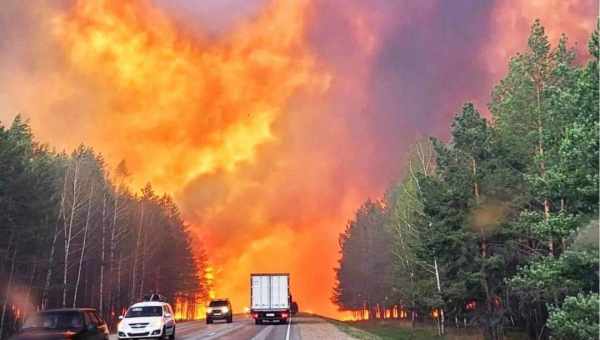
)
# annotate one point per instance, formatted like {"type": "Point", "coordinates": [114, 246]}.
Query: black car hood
{"type": "Point", "coordinates": [45, 335]}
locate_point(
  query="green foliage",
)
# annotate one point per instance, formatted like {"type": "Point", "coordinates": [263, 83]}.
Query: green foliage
{"type": "Point", "coordinates": [363, 275]}
{"type": "Point", "coordinates": [576, 319]}
{"type": "Point", "coordinates": [49, 200]}
{"type": "Point", "coordinates": [550, 279]}
{"type": "Point", "coordinates": [502, 212]}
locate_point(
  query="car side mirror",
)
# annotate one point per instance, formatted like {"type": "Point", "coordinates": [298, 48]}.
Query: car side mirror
{"type": "Point", "coordinates": [168, 315]}
{"type": "Point", "coordinates": [120, 317]}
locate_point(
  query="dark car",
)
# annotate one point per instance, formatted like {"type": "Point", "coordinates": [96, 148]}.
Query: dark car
{"type": "Point", "coordinates": [219, 310]}
{"type": "Point", "coordinates": [71, 323]}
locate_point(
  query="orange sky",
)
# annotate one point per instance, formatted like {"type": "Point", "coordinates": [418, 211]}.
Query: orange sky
{"type": "Point", "coordinates": [271, 129]}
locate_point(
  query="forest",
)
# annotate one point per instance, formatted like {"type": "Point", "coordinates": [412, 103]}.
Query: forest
{"type": "Point", "coordinates": [498, 227]}
{"type": "Point", "coordinates": [74, 235]}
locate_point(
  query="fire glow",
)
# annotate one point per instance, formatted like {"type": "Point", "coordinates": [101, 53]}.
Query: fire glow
{"type": "Point", "coordinates": [270, 134]}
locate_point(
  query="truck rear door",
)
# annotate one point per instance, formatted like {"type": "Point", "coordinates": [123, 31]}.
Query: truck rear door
{"type": "Point", "coordinates": [279, 292]}
{"type": "Point", "coordinates": [260, 292]}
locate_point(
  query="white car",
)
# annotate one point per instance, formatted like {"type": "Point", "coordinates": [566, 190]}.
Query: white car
{"type": "Point", "coordinates": [152, 319]}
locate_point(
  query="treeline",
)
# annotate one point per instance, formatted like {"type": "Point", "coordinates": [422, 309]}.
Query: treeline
{"type": "Point", "coordinates": [499, 227]}
{"type": "Point", "coordinates": [72, 234]}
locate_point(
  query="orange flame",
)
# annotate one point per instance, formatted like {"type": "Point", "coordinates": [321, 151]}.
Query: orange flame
{"type": "Point", "coordinates": [191, 108]}
{"type": "Point", "coordinates": [157, 79]}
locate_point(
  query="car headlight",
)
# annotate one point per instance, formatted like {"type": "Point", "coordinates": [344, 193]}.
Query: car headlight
{"type": "Point", "coordinates": [209, 310]}
{"type": "Point", "coordinates": [157, 324]}
{"type": "Point", "coordinates": [225, 309]}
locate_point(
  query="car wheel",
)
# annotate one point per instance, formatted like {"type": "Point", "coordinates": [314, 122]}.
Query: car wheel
{"type": "Point", "coordinates": [172, 336]}
{"type": "Point", "coordinates": [208, 321]}
{"type": "Point", "coordinates": [230, 319]}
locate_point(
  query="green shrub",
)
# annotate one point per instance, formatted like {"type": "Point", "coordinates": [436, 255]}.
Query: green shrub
{"type": "Point", "coordinates": [576, 319]}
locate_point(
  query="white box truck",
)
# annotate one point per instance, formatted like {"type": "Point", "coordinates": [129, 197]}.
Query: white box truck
{"type": "Point", "coordinates": [270, 297]}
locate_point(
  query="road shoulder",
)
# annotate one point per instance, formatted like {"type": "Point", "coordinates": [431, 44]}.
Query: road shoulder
{"type": "Point", "coordinates": [316, 327]}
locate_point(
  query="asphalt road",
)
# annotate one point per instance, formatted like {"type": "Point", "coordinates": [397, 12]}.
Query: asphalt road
{"type": "Point", "coordinates": [242, 327]}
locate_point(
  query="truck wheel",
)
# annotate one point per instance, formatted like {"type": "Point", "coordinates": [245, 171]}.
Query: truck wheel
{"type": "Point", "coordinates": [258, 321]}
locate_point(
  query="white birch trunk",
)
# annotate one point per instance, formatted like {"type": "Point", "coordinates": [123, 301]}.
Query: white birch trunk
{"type": "Point", "coordinates": [143, 274]}
{"type": "Point", "coordinates": [136, 254]}
{"type": "Point", "coordinates": [69, 232]}
{"type": "Point", "coordinates": [102, 257]}
{"type": "Point", "coordinates": [439, 287]}
{"type": "Point", "coordinates": [85, 231]}
{"type": "Point", "coordinates": [61, 214]}
{"type": "Point", "coordinates": [113, 245]}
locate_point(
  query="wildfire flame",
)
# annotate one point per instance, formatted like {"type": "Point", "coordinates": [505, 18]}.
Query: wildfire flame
{"type": "Point", "coordinates": [193, 107]}
{"type": "Point", "coordinates": [196, 106]}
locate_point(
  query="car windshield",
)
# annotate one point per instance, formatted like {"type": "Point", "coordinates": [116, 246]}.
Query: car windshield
{"type": "Point", "coordinates": [71, 320]}
{"type": "Point", "coordinates": [218, 303]}
{"type": "Point", "coordinates": [137, 312]}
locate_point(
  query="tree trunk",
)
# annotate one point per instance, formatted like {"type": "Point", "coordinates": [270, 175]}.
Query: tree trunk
{"type": "Point", "coordinates": [102, 257]}
{"type": "Point", "coordinates": [439, 287]}
{"type": "Point", "coordinates": [85, 231]}
{"type": "Point", "coordinates": [49, 271]}
{"type": "Point", "coordinates": [136, 254]}
{"type": "Point", "coordinates": [9, 285]}
{"type": "Point", "coordinates": [143, 274]}
{"type": "Point", "coordinates": [539, 87]}
{"type": "Point", "coordinates": [31, 280]}
{"type": "Point", "coordinates": [119, 283]}
{"type": "Point", "coordinates": [113, 242]}
{"type": "Point", "coordinates": [475, 183]}
{"type": "Point", "coordinates": [61, 214]}
{"type": "Point", "coordinates": [477, 201]}
{"type": "Point", "coordinates": [69, 232]}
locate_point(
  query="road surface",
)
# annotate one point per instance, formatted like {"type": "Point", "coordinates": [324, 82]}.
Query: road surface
{"type": "Point", "coordinates": [243, 328]}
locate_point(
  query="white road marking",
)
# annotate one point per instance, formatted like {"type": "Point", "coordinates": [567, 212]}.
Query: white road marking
{"type": "Point", "coordinates": [262, 335]}
{"type": "Point", "coordinates": [287, 334]}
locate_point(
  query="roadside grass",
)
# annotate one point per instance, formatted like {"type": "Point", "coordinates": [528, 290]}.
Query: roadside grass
{"type": "Point", "coordinates": [389, 329]}
{"type": "Point", "coordinates": [383, 330]}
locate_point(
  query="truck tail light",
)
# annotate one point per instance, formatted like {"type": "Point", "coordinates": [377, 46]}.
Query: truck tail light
{"type": "Point", "coordinates": [284, 315]}
{"type": "Point", "coordinates": [255, 315]}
